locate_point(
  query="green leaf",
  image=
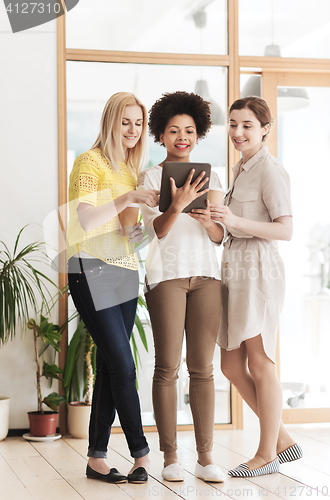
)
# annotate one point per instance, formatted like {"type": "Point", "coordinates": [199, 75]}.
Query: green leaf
{"type": "Point", "coordinates": [142, 332]}
{"type": "Point", "coordinates": [52, 337]}
{"type": "Point", "coordinates": [18, 237]}
{"type": "Point", "coordinates": [141, 301]}
{"type": "Point", "coordinates": [76, 383]}
{"type": "Point", "coordinates": [53, 400]}
{"type": "Point", "coordinates": [21, 285]}
{"type": "Point", "coordinates": [31, 324]}
{"type": "Point", "coordinates": [136, 354]}
{"type": "Point", "coordinates": [51, 371]}
{"type": "Point", "coordinates": [73, 353]}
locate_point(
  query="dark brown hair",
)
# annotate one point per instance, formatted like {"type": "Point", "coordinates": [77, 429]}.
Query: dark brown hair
{"type": "Point", "coordinates": [179, 103]}
{"type": "Point", "coordinates": [259, 108]}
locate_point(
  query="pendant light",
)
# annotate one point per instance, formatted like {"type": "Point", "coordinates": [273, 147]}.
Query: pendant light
{"type": "Point", "coordinates": [201, 86]}
{"type": "Point", "coordinates": [289, 98]}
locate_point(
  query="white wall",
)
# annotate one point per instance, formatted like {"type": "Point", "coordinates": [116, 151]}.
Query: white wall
{"type": "Point", "coordinates": [29, 180]}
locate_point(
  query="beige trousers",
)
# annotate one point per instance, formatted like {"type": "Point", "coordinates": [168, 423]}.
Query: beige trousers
{"type": "Point", "coordinates": [190, 304]}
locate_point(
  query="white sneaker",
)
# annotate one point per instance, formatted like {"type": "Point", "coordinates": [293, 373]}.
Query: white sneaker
{"type": "Point", "coordinates": [210, 473]}
{"type": "Point", "coordinates": [173, 472]}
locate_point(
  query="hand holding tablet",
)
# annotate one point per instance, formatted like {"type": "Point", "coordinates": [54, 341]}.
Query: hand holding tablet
{"type": "Point", "coordinates": [180, 171]}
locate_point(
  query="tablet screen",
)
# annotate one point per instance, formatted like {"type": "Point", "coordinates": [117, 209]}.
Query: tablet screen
{"type": "Point", "coordinates": [180, 171]}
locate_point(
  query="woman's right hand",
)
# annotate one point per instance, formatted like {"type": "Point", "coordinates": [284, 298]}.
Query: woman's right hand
{"type": "Point", "coordinates": [148, 197]}
{"type": "Point", "coordinates": [182, 197]}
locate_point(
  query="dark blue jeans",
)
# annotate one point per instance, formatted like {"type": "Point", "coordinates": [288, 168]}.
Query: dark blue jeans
{"type": "Point", "coordinates": [106, 299]}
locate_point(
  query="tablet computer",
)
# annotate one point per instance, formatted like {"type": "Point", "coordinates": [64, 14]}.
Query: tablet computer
{"type": "Point", "coordinates": [180, 171]}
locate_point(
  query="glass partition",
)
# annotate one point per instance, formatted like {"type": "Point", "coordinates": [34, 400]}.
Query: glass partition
{"type": "Point", "coordinates": [304, 148]}
{"type": "Point", "coordinates": [89, 85]}
{"type": "Point", "coordinates": [174, 26]}
{"type": "Point", "coordinates": [295, 28]}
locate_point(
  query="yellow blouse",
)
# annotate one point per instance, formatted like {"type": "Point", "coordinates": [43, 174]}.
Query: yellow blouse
{"type": "Point", "coordinates": [93, 180]}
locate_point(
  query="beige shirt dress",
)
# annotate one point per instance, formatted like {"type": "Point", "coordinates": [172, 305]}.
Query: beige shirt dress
{"type": "Point", "coordinates": [252, 271]}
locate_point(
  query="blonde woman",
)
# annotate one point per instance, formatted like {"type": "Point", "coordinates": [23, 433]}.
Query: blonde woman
{"type": "Point", "coordinates": [103, 276]}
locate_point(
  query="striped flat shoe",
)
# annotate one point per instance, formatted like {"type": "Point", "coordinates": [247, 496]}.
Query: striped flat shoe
{"type": "Point", "coordinates": [243, 470]}
{"type": "Point", "coordinates": [290, 454]}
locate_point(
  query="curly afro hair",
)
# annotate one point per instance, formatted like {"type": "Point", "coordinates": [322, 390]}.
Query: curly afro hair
{"type": "Point", "coordinates": [179, 103]}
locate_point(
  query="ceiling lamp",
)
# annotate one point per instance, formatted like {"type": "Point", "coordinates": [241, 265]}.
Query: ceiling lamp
{"type": "Point", "coordinates": [291, 98]}
{"type": "Point", "coordinates": [217, 115]}
{"type": "Point", "coordinates": [201, 86]}
{"type": "Point", "coordinates": [288, 98]}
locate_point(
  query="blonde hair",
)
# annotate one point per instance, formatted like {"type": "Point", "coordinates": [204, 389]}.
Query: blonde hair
{"type": "Point", "coordinates": [109, 138]}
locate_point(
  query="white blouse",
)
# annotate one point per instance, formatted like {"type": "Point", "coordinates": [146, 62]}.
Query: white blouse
{"type": "Point", "coordinates": [187, 250]}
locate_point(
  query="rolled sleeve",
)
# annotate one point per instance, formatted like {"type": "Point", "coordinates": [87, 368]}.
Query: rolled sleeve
{"type": "Point", "coordinates": [276, 191]}
{"type": "Point", "coordinates": [84, 184]}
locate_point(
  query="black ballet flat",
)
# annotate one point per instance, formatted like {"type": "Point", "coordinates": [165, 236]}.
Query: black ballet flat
{"type": "Point", "coordinates": [138, 476]}
{"type": "Point", "coordinates": [112, 477]}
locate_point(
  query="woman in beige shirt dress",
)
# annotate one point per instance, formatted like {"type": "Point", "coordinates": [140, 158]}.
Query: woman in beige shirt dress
{"type": "Point", "coordinates": [256, 213]}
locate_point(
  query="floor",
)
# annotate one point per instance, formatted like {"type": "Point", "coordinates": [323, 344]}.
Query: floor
{"type": "Point", "coordinates": [56, 470]}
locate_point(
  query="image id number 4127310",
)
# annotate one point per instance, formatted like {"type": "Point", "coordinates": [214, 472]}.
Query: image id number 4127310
{"type": "Point", "coordinates": [34, 7]}
{"type": "Point", "coordinates": [302, 490]}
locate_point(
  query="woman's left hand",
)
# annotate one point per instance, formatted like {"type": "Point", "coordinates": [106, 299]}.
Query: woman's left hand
{"type": "Point", "coordinates": [136, 235]}
{"type": "Point", "coordinates": [223, 214]}
{"type": "Point", "coordinates": [202, 215]}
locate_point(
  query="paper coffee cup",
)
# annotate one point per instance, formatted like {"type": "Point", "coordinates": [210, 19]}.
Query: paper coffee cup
{"type": "Point", "coordinates": [128, 218]}
{"type": "Point", "coordinates": [216, 196]}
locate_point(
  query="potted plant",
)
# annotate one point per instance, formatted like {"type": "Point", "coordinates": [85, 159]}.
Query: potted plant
{"type": "Point", "coordinates": [43, 423]}
{"type": "Point", "coordinates": [4, 416]}
{"type": "Point", "coordinates": [79, 411]}
{"type": "Point", "coordinates": [21, 286]}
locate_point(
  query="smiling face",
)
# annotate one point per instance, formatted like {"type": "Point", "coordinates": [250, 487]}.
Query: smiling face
{"type": "Point", "coordinates": [246, 132]}
{"type": "Point", "coordinates": [131, 126]}
{"type": "Point", "coordinates": [179, 138]}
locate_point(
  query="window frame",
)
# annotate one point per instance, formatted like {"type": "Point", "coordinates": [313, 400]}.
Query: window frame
{"type": "Point", "coordinates": [235, 64]}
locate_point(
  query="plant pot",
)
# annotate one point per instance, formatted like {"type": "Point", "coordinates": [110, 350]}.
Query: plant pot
{"type": "Point", "coordinates": [78, 419]}
{"type": "Point", "coordinates": [42, 425]}
{"type": "Point", "coordinates": [4, 417]}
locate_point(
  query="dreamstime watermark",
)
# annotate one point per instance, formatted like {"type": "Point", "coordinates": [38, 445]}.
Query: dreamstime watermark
{"type": "Point", "coordinates": [94, 273]}
{"type": "Point", "coordinates": [238, 265]}
{"type": "Point", "coordinates": [190, 492]}
{"type": "Point", "coordinates": [58, 240]}
{"type": "Point", "coordinates": [187, 254]}
{"type": "Point", "coordinates": [24, 15]}
{"type": "Point", "coordinates": [196, 492]}
{"type": "Point", "coordinates": [262, 252]}
{"type": "Point", "coordinates": [240, 273]}
{"type": "Point", "coordinates": [160, 491]}
{"type": "Point", "coordinates": [195, 262]}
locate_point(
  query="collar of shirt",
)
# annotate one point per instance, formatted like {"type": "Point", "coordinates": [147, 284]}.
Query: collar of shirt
{"type": "Point", "coordinates": [260, 154]}
{"type": "Point", "coordinates": [249, 164]}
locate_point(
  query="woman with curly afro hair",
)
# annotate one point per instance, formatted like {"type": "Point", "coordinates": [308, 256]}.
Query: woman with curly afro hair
{"type": "Point", "coordinates": [183, 284]}
{"type": "Point", "coordinates": [179, 103]}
